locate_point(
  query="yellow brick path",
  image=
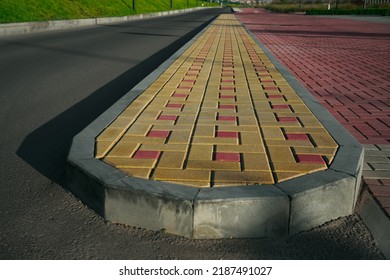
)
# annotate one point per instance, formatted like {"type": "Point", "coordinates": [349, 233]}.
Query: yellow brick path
{"type": "Point", "coordinates": [220, 115]}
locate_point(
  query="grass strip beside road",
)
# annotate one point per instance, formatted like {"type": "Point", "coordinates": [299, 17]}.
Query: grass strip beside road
{"type": "Point", "coordinates": [44, 10]}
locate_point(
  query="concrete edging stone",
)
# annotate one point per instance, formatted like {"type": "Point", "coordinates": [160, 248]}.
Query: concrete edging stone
{"type": "Point", "coordinates": [277, 210]}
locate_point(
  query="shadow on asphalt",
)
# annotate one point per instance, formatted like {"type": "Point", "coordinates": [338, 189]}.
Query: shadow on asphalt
{"type": "Point", "coordinates": [46, 149]}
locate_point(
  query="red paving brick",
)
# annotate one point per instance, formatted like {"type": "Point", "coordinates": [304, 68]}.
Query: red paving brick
{"type": "Point", "coordinates": [344, 63]}
{"type": "Point", "coordinates": [158, 134]}
{"type": "Point", "coordinates": [310, 159]}
{"type": "Point", "coordinates": [147, 155]}
{"type": "Point", "coordinates": [232, 157]}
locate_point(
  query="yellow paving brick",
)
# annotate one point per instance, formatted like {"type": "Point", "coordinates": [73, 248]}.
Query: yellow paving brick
{"type": "Point", "coordinates": [253, 128]}
{"type": "Point", "coordinates": [171, 160]}
{"type": "Point", "coordinates": [149, 115]}
{"type": "Point", "coordinates": [255, 162]}
{"type": "Point", "coordinates": [204, 131]}
{"type": "Point", "coordinates": [309, 122]}
{"type": "Point", "coordinates": [122, 149]}
{"type": "Point", "coordinates": [171, 127]}
{"type": "Point", "coordinates": [183, 120]}
{"type": "Point", "coordinates": [137, 172]}
{"type": "Point", "coordinates": [281, 124]}
{"type": "Point", "coordinates": [250, 138]}
{"type": "Point", "coordinates": [323, 140]}
{"type": "Point", "coordinates": [272, 133]}
{"type": "Point", "coordinates": [266, 117]}
{"type": "Point", "coordinates": [247, 120]}
{"type": "Point", "coordinates": [181, 175]}
{"type": "Point", "coordinates": [309, 130]}
{"type": "Point", "coordinates": [315, 151]}
{"type": "Point", "coordinates": [142, 139]}
{"type": "Point", "coordinates": [164, 147]}
{"type": "Point", "coordinates": [280, 154]}
{"type": "Point", "coordinates": [138, 129]}
{"type": "Point", "coordinates": [244, 177]}
{"type": "Point", "coordinates": [197, 184]}
{"type": "Point", "coordinates": [300, 108]}
{"type": "Point", "coordinates": [283, 176]}
{"type": "Point", "coordinates": [208, 115]}
{"type": "Point", "coordinates": [212, 165]}
{"type": "Point", "coordinates": [289, 143]}
{"type": "Point", "coordinates": [240, 148]}
{"type": "Point", "coordinates": [121, 122]}
{"type": "Point", "coordinates": [101, 147]}
{"type": "Point", "coordinates": [210, 104]}
{"type": "Point", "coordinates": [201, 152]}
{"type": "Point", "coordinates": [215, 140]}
{"type": "Point", "coordinates": [244, 111]}
{"type": "Point", "coordinates": [296, 167]}
{"type": "Point", "coordinates": [262, 105]}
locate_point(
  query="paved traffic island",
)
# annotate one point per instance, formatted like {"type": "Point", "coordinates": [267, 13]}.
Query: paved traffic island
{"type": "Point", "coordinates": [219, 141]}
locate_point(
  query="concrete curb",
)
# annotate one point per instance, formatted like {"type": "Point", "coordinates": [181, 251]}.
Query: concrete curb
{"type": "Point", "coordinates": [278, 210]}
{"type": "Point", "coordinates": [9, 29]}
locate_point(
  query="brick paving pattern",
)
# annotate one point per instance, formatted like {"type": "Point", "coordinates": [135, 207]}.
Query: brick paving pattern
{"type": "Point", "coordinates": [345, 64]}
{"type": "Point", "coordinates": [220, 115]}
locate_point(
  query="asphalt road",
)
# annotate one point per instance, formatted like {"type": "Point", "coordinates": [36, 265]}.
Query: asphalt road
{"type": "Point", "coordinates": [54, 84]}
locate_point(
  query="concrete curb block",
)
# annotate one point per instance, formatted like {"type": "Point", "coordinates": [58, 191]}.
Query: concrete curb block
{"type": "Point", "coordinates": [376, 220]}
{"type": "Point", "coordinates": [9, 29]}
{"type": "Point", "coordinates": [275, 210]}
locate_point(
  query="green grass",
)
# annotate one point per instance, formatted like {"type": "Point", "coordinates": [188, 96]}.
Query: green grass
{"type": "Point", "coordinates": [43, 10]}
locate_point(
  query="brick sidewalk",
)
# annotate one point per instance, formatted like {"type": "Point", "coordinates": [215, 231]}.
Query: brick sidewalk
{"type": "Point", "coordinates": [345, 64]}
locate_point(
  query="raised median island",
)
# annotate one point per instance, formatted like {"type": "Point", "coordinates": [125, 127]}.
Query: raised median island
{"type": "Point", "coordinates": [219, 141]}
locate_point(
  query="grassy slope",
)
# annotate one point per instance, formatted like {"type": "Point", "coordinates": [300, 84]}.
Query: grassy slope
{"type": "Point", "coordinates": [37, 10]}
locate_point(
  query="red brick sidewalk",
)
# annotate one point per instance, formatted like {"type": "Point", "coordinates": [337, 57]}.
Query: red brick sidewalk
{"type": "Point", "coordinates": [345, 64]}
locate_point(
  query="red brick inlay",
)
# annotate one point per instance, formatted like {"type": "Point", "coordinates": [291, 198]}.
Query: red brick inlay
{"type": "Point", "coordinates": [227, 134]}
{"type": "Point", "coordinates": [297, 136]}
{"type": "Point", "coordinates": [226, 96]}
{"type": "Point", "coordinates": [226, 106]}
{"type": "Point", "coordinates": [287, 119]}
{"type": "Point", "coordinates": [232, 157]}
{"type": "Point", "coordinates": [310, 159]}
{"type": "Point", "coordinates": [147, 154]}
{"type": "Point", "coordinates": [226, 88]}
{"type": "Point", "coordinates": [226, 118]}
{"type": "Point", "coordinates": [175, 105]}
{"type": "Point", "coordinates": [180, 95]}
{"type": "Point", "coordinates": [280, 106]}
{"type": "Point", "coordinates": [158, 134]}
{"type": "Point", "coordinates": [274, 96]}
{"type": "Point", "coordinates": [184, 87]}
{"type": "Point", "coordinates": [167, 118]}
{"type": "Point", "coordinates": [188, 81]}
{"type": "Point", "coordinates": [270, 88]}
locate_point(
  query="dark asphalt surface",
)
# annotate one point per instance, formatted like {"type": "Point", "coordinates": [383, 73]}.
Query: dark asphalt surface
{"type": "Point", "coordinates": [54, 84]}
